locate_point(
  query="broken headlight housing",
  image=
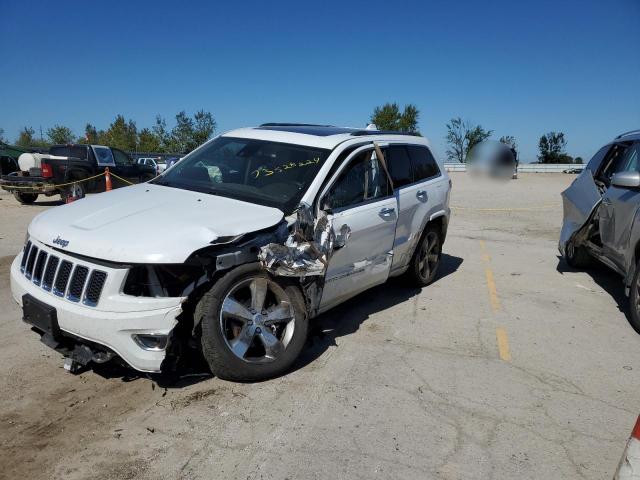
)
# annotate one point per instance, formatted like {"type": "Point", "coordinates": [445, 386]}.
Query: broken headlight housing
{"type": "Point", "coordinates": [165, 280]}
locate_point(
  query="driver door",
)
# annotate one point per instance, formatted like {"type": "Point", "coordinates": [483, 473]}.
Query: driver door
{"type": "Point", "coordinates": [619, 206]}
{"type": "Point", "coordinates": [360, 197]}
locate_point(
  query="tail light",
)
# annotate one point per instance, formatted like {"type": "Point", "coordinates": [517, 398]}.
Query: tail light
{"type": "Point", "coordinates": [47, 171]}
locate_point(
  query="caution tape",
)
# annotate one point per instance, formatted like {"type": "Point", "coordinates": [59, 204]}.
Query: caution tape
{"type": "Point", "coordinates": [55, 185]}
{"type": "Point", "coordinates": [58, 185]}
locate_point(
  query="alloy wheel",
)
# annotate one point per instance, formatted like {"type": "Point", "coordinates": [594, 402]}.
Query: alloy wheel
{"type": "Point", "coordinates": [429, 255]}
{"type": "Point", "coordinates": [257, 320]}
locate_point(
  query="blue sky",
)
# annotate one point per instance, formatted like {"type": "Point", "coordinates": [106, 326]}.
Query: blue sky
{"type": "Point", "coordinates": [519, 68]}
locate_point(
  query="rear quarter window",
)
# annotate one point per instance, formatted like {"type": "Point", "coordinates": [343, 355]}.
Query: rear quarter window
{"type": "Point", "coordinates": [424, 165]}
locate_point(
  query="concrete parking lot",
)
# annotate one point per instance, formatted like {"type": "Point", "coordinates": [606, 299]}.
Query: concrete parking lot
{"type": "Point", "coordinates": [511, 365]}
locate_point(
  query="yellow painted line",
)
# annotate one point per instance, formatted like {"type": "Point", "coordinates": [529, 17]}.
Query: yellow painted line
{"type": "Point", "coordinates": [491, 284]}
{"type": "Point", "coordinates": [493, 293]}
{"type": "Point", "coordinates": [503, 344]}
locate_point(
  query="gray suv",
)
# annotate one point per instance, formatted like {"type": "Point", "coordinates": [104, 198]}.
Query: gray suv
{"type": "Point", "coordinates": [601, 215]}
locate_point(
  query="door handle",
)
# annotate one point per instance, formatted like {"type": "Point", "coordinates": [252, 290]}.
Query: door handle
{"type": "Point", "coordinates": [387, 211]}
{"type": "Point", "coordinates": [421, 195]}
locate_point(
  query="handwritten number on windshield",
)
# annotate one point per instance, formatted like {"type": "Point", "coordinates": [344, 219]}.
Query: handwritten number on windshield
{"type": "Point", "coordinates": [267, 172]}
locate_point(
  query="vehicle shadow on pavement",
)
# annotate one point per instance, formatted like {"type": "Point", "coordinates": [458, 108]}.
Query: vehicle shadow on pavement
{"type": "Point", "coordinates": [340, 321]}
{"type": "Point", "coordinates": [347, 318]}
{"type": "Point", "coordinates": [606, 279]}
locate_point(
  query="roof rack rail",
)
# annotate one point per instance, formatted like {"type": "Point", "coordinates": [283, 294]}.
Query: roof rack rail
{"type": "Point", "coordinates": [637, 130]}
{"type": "Point", "coordinates": [359, 133]}
{"type": "Point", "coordinates": [286, 124]}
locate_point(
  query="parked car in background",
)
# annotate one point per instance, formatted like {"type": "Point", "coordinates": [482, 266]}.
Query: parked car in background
{"type": "Point", "coordinates": [602, 215]}
{"type": "Point", "coordinates": [172, 161]}
{"type": "Point", "coordinates": [158, 164]}
{"type": "Point", "coordinates": [70, 166]}
{"type": "Point", "coordinates": [232, 251]}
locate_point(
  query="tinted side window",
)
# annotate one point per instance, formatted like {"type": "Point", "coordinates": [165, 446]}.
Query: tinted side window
{"type": "Point", "coordinates": [69, 151]}
{"type": "Point", "coordinates": [362, 180]}
{"type": "Point", "coordinates": [399, 165]}
{"type": "Point", "coordinates": [424, 165]}
{"type": "Point", "coordinates": [121, 158]}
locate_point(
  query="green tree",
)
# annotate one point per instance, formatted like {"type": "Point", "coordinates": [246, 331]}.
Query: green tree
{"type": "Point", "coordinates": [162, 134]}
{"type": "Point", "coordinates": [182, 133]}
{"type": "Point", "coordinates": [552, 148]}
{"type": "Point", "coordinates": [388, 117]}
{"type": "Point", "coordinates": [203, 128]}
{"type": "Point", "coordinates": [148, 141]}
{"type": "Point", "coordinates": [2, 138]}
{"type": "Point", "coordinates": [509, 140]}
{"type": "Point", "coordinates": [90, 135]}
{"type": "Point", "coordinates": [578, 160]}
{"type": "Point", "coordinates": [121, 134]}
{"type": "Point", "coordinates": [60, 134]}
{"type": "Point", "coordinates": [462, 137]}
{"type": "Point", "coordinates": [25, 137]}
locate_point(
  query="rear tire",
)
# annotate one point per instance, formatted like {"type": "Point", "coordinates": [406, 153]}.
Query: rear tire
{"type": "Point", "coordinates": [426, 258]}
{"type": "Point", "coordinates": [576, 257]}
{"type": "Point", "coordinates": [235, 344]}
{"type": "Point", "coordinates": [25, 198]}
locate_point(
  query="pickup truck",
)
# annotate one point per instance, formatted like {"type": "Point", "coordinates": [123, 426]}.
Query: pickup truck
{"type": "Point", "coordinates": [65, 169]}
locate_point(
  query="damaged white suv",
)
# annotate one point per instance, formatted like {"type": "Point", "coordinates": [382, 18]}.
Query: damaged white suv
{"type": "Point", "coordinates": [234, 249]}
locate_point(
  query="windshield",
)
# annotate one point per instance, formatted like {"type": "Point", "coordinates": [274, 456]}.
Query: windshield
{"type": "Point", "coordinates": [257, 171]}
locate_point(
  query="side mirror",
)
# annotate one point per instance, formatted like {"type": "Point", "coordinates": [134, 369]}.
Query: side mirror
{"type": "Point", "coordinates": [626, 179]}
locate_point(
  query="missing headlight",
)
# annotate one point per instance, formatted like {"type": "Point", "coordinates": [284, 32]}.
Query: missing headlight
{"type": "Point", "coordinates": [162, 280]}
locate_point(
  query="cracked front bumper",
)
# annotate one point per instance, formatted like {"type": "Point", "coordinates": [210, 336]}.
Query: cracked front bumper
{"type": "Point", "coordinates": [113, 326]}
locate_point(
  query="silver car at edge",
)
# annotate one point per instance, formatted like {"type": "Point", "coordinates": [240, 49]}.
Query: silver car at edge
{"type": "Point", "coordinates": [602, 215]}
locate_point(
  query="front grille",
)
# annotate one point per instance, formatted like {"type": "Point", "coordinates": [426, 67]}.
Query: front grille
{"type": "Point", "coordinates": [77, 283]}
{"type": "Point", "coordinates": [60, 286]}
{"type": "Point", "coordinates": [49, 273]}
{"type": "Point", "coordinates": [94, 288]}
{"type": "Point", "coordinates": [63, 278]}
{"type": "Point", "coordinates": [25, 254]}
{"type": "Point", "coordinates": [39, 267]}
{"type": "Point", "coordinates": [28, 271]}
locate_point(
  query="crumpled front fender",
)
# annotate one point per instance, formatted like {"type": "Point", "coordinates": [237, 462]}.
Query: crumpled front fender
{"type": "Point", "coordinates": [579, 201]}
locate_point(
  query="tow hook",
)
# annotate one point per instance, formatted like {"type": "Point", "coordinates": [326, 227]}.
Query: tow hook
{"type": "Point", "coordinates": [82, 355]}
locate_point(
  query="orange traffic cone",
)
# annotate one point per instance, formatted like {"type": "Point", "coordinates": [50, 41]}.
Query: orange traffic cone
{"type": "Point", "coordinates": [107, 180]}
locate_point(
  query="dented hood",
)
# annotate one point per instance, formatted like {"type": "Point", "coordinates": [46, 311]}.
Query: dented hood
{"type": "Point", "coordinates": [578, 202]}
{"type": "Point", "coordinates": [148, 223]}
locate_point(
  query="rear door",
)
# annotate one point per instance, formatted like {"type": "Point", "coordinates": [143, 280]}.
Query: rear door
{"type": "Point", "coordinates": [126, 168]}
{"type": "Point", "coordinates": [417, 181]}
{"type": "Point", "coordinates": [360, 197]}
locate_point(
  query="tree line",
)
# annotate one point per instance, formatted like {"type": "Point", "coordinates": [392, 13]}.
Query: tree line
{"type": "Point", "coordinates": [188, 133]}
{"type": "Point", "coordinates": [462, 135]}
{"type": "Point", "coordinates": [191, 131]}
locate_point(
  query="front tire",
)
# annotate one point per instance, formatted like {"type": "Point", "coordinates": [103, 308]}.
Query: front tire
{"type": "Point", "coordinates": [253, 327]}
{"type": "Point", "coordinates": [25, 198]}
{"type": "Point", "coordinates": [634, 300]}
{"type": "Point", "coordinates": [426, 259]}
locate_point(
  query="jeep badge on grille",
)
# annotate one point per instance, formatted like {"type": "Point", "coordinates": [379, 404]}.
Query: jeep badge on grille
{"type": "Point", "coordinates": [60, 241]}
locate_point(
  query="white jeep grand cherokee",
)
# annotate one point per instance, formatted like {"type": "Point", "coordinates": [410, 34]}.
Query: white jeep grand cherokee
{"type": "Point", "coordinates": [234, 249]}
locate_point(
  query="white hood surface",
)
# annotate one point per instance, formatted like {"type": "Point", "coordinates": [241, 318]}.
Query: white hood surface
{"type": "Point", "coordinates": [148, 223]}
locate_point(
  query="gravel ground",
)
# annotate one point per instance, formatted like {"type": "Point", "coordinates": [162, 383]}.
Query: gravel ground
{"type": "Point", "coordinates": [511, 365]}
